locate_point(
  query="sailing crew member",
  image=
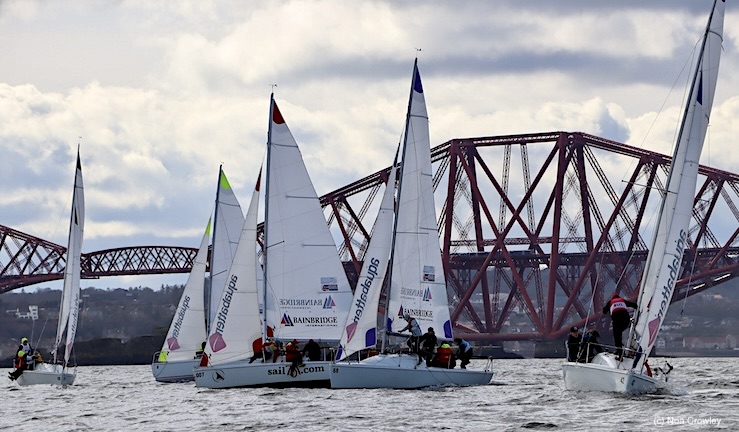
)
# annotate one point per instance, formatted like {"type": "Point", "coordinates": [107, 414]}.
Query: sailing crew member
{"type": "Point", "coordinates": [428, 344]}
{"type": "Point", "coordinates": [293, 356]}
{"type": "Point", "coordinates": [589, 346]}
{"type": "Point", "coordinates": [617, 308]}
{"type": "Point", "coordinates": [19, 363]}
{"type": "Point", "coordinates": [30, 362]}
{"type": "Point", "coordinates": [444, 358]}
{"type": "Point", "coordinates": [465, 352]}
{"type": "Point", "coordinates": [415, 333]}
{"type": "Point", "coordinates": [199, 353]}
{"type": "Point", "coordinates": [573, 344]}
{"type": "Point", "coordinates": [313, 350]}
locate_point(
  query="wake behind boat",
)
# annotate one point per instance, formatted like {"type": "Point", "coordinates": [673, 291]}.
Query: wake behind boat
{"type": "Point", "coordinates": [409, 247]}
{"type": "Point", "coordinates": [631, 374]}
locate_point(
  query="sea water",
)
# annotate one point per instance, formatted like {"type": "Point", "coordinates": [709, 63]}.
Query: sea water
{"type": "Point", "coordinates": [528, 394]}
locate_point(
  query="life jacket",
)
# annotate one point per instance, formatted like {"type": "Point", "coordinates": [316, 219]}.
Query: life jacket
{"type": "Point", "coordinates": [444, 355]}
{"type": "Point", "coordinates": [415, 328]}
{"type": "Point", "coordinates": [617, 305]}
{"type": "Point", "coordinates": [291, 352]}
{"type": "Point", "coordinates": [20, 359]}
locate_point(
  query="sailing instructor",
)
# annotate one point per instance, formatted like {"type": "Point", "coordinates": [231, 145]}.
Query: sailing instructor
{"type": "Point", "coordinates": [617, 308]}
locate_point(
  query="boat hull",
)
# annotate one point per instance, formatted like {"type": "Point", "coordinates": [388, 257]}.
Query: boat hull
{"type": "Point", "coordinates": [402, 372]}
{"type": "Point", "coordinates": [47, 373]}
{"type": "Point", "coordinates": [242, 374]}
{"type": "Point", "coordinates": [607, 374]}
{"type": "Point", "coordinates": [174, 371]}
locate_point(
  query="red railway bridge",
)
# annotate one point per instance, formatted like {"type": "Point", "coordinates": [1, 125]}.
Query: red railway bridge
{"type": "Point", "coordinates": [544, 236]}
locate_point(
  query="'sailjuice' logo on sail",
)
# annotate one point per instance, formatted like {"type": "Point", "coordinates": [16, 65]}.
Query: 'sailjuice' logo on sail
{"type": "Point", "coordinates": [674, 268]}
{"type": "Point", "coordinates": [362, 298]}
{"type": "Point", "coordinates": [172, 342]}
{"type": "Point", "coordinates": [329, 303]}
{"type": "Point", "coordinates": [286, 321]}
{"type": "Point", "coordinates": [216, 339]}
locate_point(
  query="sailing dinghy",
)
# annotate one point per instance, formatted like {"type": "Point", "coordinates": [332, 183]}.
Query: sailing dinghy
{"type": "Point", "coordinates": [630, 374]}
{"type": "Point", "coordinates": [59, 371]}
{"type": "Point", "coordinates": [177, 358]}
{"type": "Point", "coordinates": [306, 293]}
{"type": "Point", "coordinates": [182, 347]}
{"type": "Point", "coordinates": [417, 287]}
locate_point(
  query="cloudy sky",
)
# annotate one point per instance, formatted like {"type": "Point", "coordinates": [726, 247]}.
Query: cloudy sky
{"type": "Point", "coordinates": [159, 93]}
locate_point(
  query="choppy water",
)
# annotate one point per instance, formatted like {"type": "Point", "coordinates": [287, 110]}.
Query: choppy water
{"type": "Point", "coordinates": [525, 395]}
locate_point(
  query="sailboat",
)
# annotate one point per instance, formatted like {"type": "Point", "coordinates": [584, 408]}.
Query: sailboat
{"type": "Point", "coordinates": [177, 358]}
{"type": "Point", "coordinates": [306, 294]}
{"type": "Point", "coordinates": [417, 285]}
{"type": "Point", "coordinates": [631, 374]}
{"type": "Point", "coordinates": [59, 371]}
{"type": "Point", "coordinates": [179, 354]}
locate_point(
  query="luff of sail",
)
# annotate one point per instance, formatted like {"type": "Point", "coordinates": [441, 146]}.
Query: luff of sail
{"type": "Point", "coordinates": [236, 334]}
{"type": "Point", "coordinates": [671, 237]}
{"type": "Point", "coordinates": [229, 219]}
{"type": "Point", "coordinates": [360, 330]}
{"type": "Point", "coordinates": [307, 291]}
{"type": "Point", "coordinates": [187, 332]}
{"type": "Point", "coordinates": [71, 291]}
{"type": "Point", "coordinates": [418, 283]}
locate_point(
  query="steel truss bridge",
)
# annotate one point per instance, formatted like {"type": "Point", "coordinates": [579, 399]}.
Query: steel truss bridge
{"type": "Point", "coordinates": [537, 230]}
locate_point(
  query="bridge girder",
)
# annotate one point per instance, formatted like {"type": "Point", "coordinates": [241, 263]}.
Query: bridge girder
{"type": "Point", "coordinates": [546, 268]}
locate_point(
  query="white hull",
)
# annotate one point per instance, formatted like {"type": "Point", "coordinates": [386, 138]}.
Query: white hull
{"type": "Point", "coordinates": [403, 372]}
{"type": "Point", "coordinates": [243, 374]}
{"type": "Point", "coordinates": [47, 373]}
{"type": "Point", "coordinates": [605, 373]}
{"type": "Point", "coordinates": [174, 371]}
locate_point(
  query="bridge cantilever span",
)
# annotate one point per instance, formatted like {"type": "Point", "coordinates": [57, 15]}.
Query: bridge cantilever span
{"type": "Point", "coordinates": [28, 260]}
{"type": "Point", "coordinates": [534, 229]}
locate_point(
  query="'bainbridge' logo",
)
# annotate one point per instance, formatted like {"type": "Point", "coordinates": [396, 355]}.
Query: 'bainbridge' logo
{"type": "Point", "coordinates": [329, 303]}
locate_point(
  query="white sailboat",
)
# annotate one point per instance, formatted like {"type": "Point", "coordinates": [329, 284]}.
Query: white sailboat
{"type": "Point", "coordinates": [177, 358]}
{"type": "Point", "coordinates": [631, 374]}
{"type": "Point", "coordinates": [59, 371]}
{"type": "Point", "coordinates": [306, 292]}
{"type": "Point", "coordinates": [417, 284]}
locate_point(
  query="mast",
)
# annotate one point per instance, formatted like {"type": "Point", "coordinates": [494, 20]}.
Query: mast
{"type": "Point", "coordinates": [208, 293]}
{"type": "Point", "coordinates": [266, 213]}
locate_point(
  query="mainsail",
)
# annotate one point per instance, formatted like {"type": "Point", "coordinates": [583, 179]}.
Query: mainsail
{"type": "Point", "coordinates": [417, 283]}
{"type": "Point", "coordinates": [69, 310]}
{"type": "Point", "coordinates": [663, 266]}
{"type": "Point", "coordinates": [229, 220]}
{"type": "Point", "coordinates": [307, 291]}
{"type": "Point", "coordinates": [187, 330]}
